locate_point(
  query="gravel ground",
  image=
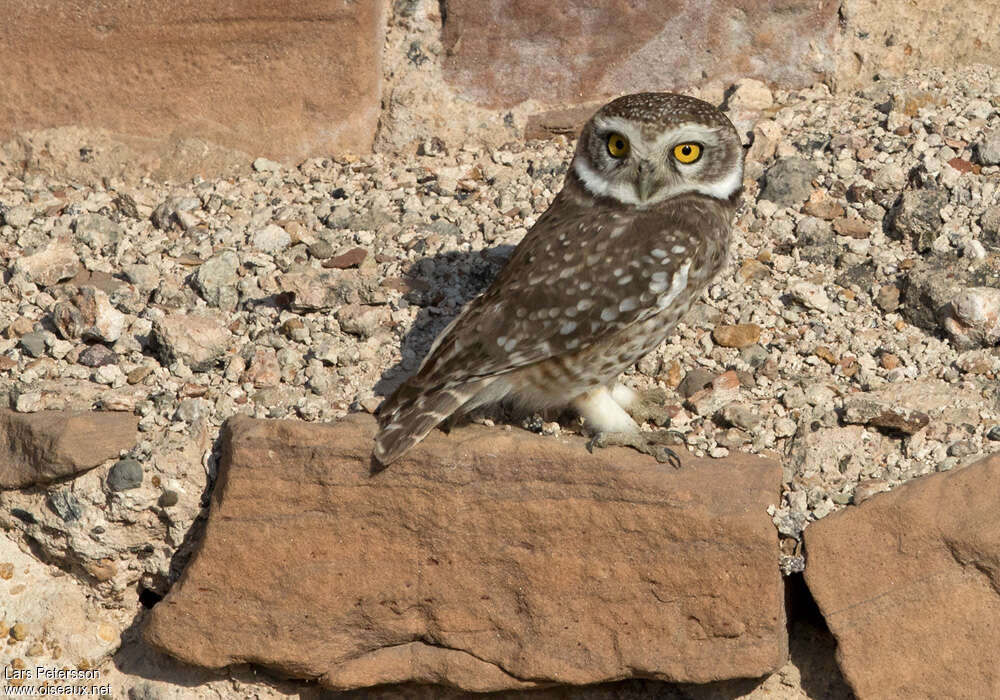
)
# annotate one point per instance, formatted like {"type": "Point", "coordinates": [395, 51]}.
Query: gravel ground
{"type": "Point", "coordinates": [854, 332]}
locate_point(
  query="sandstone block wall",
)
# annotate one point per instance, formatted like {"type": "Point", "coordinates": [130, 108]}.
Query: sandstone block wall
{"type": "Point", "coordinates": [297, 79]}
{"type": "Point", "coordinates": [285, 79]}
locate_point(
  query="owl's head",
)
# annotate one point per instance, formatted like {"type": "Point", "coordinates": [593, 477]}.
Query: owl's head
{"type": "Point", "coordinates": [645, 148]}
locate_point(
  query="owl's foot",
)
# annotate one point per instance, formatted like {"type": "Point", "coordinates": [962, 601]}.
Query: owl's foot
{"type": "Point", "coordinates": [654, 444]}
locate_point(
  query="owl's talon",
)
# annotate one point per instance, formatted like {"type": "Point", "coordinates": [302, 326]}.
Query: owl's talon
{"type": "Point", "coordinates": [653, 444]}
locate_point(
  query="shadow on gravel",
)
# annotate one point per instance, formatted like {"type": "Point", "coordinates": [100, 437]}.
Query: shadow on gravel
{"type": "Point", "coordinates": [440, 285]}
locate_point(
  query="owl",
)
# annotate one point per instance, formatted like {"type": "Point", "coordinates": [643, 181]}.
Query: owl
{"type": "Point", "coordinates": [641, 225]}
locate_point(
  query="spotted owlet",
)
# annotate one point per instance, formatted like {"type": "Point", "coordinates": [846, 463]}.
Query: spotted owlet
{"type": "Point", "coordinates": [640, 227]}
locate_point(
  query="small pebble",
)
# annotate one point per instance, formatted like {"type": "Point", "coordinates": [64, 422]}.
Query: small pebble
{"type": "Point", "coordinates": [168, 498]}
{"type": "Point", "coordinates": [126, 474]}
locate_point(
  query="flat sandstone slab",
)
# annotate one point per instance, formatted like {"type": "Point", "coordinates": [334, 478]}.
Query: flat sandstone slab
{"type": "Point", "coordinates": [36, 448]}
{"type": "Point", "coordinates": [909, 583]}
{"type": "Point", "coordinates": [486, 559]}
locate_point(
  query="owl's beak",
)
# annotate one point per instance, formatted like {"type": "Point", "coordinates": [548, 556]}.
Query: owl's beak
{"type": "Point", "coordinates": [647, 181]}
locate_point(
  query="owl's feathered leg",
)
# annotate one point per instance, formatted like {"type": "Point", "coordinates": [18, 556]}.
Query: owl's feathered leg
{"type": "Point", "coordinates": [406, 420]}
{"type": "Point", "coordinates": [602, 413]}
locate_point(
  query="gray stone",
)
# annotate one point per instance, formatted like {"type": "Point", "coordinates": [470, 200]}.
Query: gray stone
{"type": "Point", "coordinates": [754, 355]}
{"type": "Point", "coordinates": [126, 474]}
{"type": "Point", "coordinates": [814, 231]}
{"type": "Point", "coordinates": [192, 409]}
{"type": "Point", "coordinates": [321, 250]}
{"type": "Point", "coordinates": [990, 223]}
{"type": "Point", "coordinates": [216, 279]}
{"type": "Point", "coordinates": [66, 505]}
{"type": "Point", "coordinates": [927, 290]}
{"type": "Point", "coordinates": [861, 276]}
{"type": "Point", "coordinates": [145, 277]}
{"type": "Point", "coordinates": [33, 343]}
{"type": "Point", "coordinates": [19, 216]}
{"type": "Point", "coordinates": [197, 341]}
{"type": "Point", "coordinates": [168, 498]}
{"type": "Point", "coordinates": [694, 381]}
{"type": "Point", "coordinates": [96, 230]}
{"type": "Point", "coordinates": [360, 320]}
{"type": "Point", "coordinates": [917, 217]}
{"type": "Point", "coordinates": [867, 410]}
{"type": "Point", "coordinates": [740, 416]}
{"type": "Point", "coordinates": [789, 182]}
{"type": "Point", "coordinates": [313, 290]}
{"type": "Point", "coordinates": [988, 150]}
{"type": "Point", "coordinates": [97, 356]}
{"type": "Point", "coordinates": [165, 216]}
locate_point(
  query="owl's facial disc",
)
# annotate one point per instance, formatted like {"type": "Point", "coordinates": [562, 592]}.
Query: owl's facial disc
{"type": "Point", "coordinates": [630, 162]}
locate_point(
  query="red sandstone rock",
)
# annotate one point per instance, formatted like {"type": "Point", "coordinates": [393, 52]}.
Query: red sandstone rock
{"type": "Point", "coordinates": [909, 583]}
{"type": "Point", "coordinates": [285, 80]}
{"type": "Point", "coordinates": [486, 559]}
{"type": "Point", "coordinates": [36, 448]}
{"type": "Point", "coordinates": [505, 51]}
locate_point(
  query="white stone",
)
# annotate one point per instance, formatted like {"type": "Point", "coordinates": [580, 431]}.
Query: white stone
{"type": "Point", "coordinates": [811, 295]}
{"type": "Point", "coordinates": [784, 427]}
{"type": "Point", "coordinates": [270, 239]}
{"type": "Point", "coordinates": [48, 265]}
{"type": "Point", "coordinates": [750, 95]}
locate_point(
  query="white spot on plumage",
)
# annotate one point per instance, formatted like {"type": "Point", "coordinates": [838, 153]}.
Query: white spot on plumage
{"type": "Point", "coordinates": [617, 272]}
{"type": "Point", "coordinates": [678, 250]}
{"type": "Point", "coordinates": [628, 304]}
{"type": "Point", "coordinates": [677, 285]}
{"type": "Point", "coordinates": [625, 280]}
{"type": "Point", "coordinates": [609, 314]}
{"type": "Point", "coordinates": [584, 304]}
{"type": "Point", "coordinates": [567, 328]}
{"type": "Point", "coordinates": [501, 340]}
{"type": "Point", "coordinates": [660, 276]}
{"type": "Point", "coordinates": [658, 253]}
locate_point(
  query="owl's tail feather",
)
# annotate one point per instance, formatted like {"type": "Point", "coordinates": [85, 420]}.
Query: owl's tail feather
{"type": "Point", "coordinates": [410, 414]}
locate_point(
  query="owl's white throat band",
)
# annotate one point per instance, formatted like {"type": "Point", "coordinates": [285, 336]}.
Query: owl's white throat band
{"type": "Point", "coordinates": [626, 193]}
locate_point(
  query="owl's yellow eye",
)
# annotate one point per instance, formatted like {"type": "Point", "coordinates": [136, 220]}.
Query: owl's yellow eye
{"type": "Point", "coordinates": [617, 145]}
{"type": "Point", "coordinates": [687, 152]}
